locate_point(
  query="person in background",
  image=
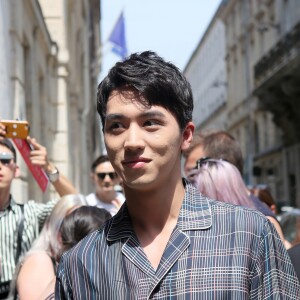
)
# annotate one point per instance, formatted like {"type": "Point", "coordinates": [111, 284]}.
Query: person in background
{"type": "Point", "coordinates": [264, 194]}
{"type": "Point", "coordinates": [79, 224]}
{"type": "Point", "coordinates": [290, 223]}
{"type": "Point", "coordinates": [37, 268]}
{"type": "Point", "coordinates": [75, 226]}
{"type": "Point", "coordinates": [105, 179]}
{"type": "Point", "coordinates": [294, 253]}
{"type": "Point", "coordinates": [221, 145]}
{"type": "Point", "coordinates": [168, 241]}
{"type": "Point", "coordinates": [21, 223]}
{"type": "Point", "coordinates": [215, 144]}
{"type": "Point", "coordinates": [221, 180]}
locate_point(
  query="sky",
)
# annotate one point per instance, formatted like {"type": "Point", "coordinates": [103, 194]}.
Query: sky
{"type": "Point", "coordinates": [171, 28]}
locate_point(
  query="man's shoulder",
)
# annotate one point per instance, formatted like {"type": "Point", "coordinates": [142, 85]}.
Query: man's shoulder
{"type": "Point", "coordinates": [40, 205]}
{"type": "Point", "coordinates": [91, 199]}
{"type": "Point", "coordinates": [199, 211]}
{"type": "Point", "coordinates": [245, 218]}
{"type": "Point", "coordinates": [219, 207]}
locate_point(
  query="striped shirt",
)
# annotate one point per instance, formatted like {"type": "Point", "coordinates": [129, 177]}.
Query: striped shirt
{"type": "Point", "coordinates": [216, 251]}
{"type": "Point", "coordinates": [35, 215]}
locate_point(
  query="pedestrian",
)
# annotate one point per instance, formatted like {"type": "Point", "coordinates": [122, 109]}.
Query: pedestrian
{"type": "Point", "coordinates": [221, 180]}
{"type": "Point", "coordinates": [220, 144]}
{"type": "Point", "coordinates": [82, 221]}
{"type": "Point", "coordinates": [294, 253]}
{"type": "Point", "coordinates": [78, 224]}
{"type": "Point", "coordinates": [37, 268]}
{"type": "Point", "coordinates": [105, 179]}
{"type": "Point", "coordinates": [167, 240]}
{"type": "Point", "coordinates": [20, 224]}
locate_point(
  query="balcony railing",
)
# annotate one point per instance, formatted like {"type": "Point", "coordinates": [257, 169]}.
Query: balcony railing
{"type": "Point", "coordinates": [280, 55]}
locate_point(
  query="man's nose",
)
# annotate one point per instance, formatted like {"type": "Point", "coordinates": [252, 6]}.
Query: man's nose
{"type": "Point", "coordinates": [107, 177]}
{"type": "Point", "coordinates": [134, 139]}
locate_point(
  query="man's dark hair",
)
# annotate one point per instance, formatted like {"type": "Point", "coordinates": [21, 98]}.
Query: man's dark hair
{"type": "Point", "coordinates": [155, 81]}
{"type": "Point", "coordinates": [8, 144]}
{"type": "Point", "coordinates": [219, 144]}
{"type": "Point", "coordinates": [99, 160]}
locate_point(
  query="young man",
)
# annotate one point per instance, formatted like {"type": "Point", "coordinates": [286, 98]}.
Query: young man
{"type": "Point", "coordinates": [167, 241]}
{"type": "Point", "coordinates": [20, 224]}
{"type": "Point", "coordinates": [105, 179]}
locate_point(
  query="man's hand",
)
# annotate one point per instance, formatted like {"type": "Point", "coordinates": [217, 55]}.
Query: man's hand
{"type": "Point", "coordinates": [39, 157]}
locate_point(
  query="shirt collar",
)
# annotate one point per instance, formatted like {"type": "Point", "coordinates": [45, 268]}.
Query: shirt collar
{"type": "Point", "coordinates": [12, 205]}
{"type": "Point", "coordinates": [194, 214]}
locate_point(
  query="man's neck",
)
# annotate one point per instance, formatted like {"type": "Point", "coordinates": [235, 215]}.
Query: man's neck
{"type": "Point", "coordinates": [4, 198]}
{"type": "Point", "coordinates": [154, 216]}
{"type": "Point", "coordinates": [158, 207]}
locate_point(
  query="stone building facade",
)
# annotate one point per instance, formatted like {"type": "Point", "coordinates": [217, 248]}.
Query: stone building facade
{"type": "Point", "coordinates": [51, 55]}
{"type": "Point", "coordinates": [254, 31]}
{"type": "Point", "coordinates": [206, 72]}
{"type": "Point", "coordinates": [262, 75]}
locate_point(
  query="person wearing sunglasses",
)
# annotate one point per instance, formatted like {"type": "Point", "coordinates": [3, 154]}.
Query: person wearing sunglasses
{"type": "Point", "coordinates": [167, 241]}
{"type": "Point", "coordinates": [105, 180]}
{"type": "Point", "coordinates": [20, 223]}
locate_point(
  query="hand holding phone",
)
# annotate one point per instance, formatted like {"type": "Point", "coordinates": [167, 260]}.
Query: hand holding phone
{"type": "Point", "coordinates": [15, 129]}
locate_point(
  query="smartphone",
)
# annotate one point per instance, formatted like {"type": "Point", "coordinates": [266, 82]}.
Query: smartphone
{"type": "Point", "coordinates": [16, 129]}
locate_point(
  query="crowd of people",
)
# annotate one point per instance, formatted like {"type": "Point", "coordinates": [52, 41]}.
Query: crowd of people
{"type": "Point", "coordinates": [197, 232]}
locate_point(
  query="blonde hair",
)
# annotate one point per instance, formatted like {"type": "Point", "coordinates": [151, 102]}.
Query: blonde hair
{"type": "Point", "coordinates": [48, 239]}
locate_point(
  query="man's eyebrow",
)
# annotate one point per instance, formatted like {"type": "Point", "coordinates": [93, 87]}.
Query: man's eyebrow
{"type": "Point", "coordinates": [153, 114]}
{"type": "Point", "coordinates": [146, 114]}
{"type": "Point", "coordinates": [111, 117]}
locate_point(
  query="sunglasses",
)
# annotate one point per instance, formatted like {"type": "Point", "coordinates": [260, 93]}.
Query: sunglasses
{"type": "Point", "coordinates": [112, 175]}
{"type": "Point", "coordinates": [200, 162]}
{"type": "Point", "coordinates": [6, 158]}
{"type": "Point", "coordinates": [203, 160]}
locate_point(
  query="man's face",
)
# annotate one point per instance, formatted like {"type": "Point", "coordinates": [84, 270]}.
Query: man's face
{"type": "Point", "coordinates": [105, 177]}
{"type": "Point", "coordinates": [144, 143]}
{"type": "Point", "coordinates": [8, 170]}
{"type": "Point", "coordinates": [191, 160]}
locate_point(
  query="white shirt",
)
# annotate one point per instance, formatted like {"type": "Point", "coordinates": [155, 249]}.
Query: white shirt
{"type": "Point", "coordinates": [92, 200]}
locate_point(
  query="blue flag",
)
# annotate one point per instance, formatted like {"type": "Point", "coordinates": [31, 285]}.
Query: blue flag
{"type": "Point", "coordinates": [117, 37]}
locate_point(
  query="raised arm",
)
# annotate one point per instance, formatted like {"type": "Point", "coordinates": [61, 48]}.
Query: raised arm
{"type": "Point", "coordinates": [39, 157]}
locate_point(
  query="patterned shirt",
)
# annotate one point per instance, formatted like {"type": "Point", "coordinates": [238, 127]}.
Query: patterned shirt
{"type": "Point", "coordinates": [35, 215]}
{"type": "Point", "coordinates": [216, 251]}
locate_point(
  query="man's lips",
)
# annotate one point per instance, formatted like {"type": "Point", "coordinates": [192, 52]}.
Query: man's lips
{"type": "Point", "coordinates": [136, 162]}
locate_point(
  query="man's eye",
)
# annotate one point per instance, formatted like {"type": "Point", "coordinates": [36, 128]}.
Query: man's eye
{"type": "Point", "coordinates": [152, 123]}
{"type": "Point", "coordinates": [115, 126]}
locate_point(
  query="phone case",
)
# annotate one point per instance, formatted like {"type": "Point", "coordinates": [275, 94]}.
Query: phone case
{"type": "Point", "coordinates": [16, 129]}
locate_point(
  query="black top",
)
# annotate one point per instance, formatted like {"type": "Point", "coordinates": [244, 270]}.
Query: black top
{"type": "Point", "coordinates": [294, 253]}
{"type": "Point", "coordinates": [262, 206]}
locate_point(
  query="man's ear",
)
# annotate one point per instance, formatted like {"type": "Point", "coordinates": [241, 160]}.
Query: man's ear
{"type": "Point", "coordinates": [17, 171]}
{"type": "Point", "coordinates": [92, 176]}
{"type": "Point", "coordinates": [187, 136]}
